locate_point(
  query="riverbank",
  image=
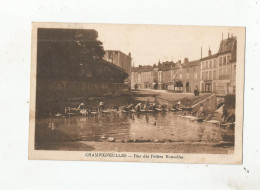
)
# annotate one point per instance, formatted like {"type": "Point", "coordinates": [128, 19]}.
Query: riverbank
{"type": "Point", "coordinates": [167, 147]}
{"type": "Point", "coordinates": [166, 132]}
{"type": "Point", "coordinates": [164, 96]}
{"type": "Point", "coordinates": [175, 147]}
{"type": "Point", "coordinates": [133, 97]}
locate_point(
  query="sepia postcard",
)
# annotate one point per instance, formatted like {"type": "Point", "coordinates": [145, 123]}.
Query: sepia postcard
{"type": "Point", "coordinates": [141, 93]}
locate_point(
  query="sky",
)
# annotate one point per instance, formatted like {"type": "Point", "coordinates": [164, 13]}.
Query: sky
{"type": "Point", "coordinates": [150, 43]}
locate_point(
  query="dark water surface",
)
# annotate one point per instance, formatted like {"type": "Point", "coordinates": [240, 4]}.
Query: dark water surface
{"type": "Point", "coordinates": [122, 127]}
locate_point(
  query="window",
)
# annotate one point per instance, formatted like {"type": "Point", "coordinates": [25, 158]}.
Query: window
{"type": "Point", "coordinates": [220, 61]}
{"type": "Point", "coordinates": [214, 75]}
{"type": "Point", "coordinates": [228, 71]}
{"type": "Point", "coordinates": [210, 65]}
{"type": "Point", "coordinates": [228, 59]}
{"type": "Point", "coordinates": [207, 65]}
{"type": "Point", "coordinates": [224, 60]}
{"type": "Point", "coordinates": [220, 72]}
{"type": "Point", "coordinates": [206, 78]}
{"type": "Point", "coordinates": [215, 63]}
{"type": "Point", "coordinates": [210, 75]}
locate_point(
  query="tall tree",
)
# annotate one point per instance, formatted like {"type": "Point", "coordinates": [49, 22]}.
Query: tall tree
{"type": "Point", "coordinates": [66, 54]}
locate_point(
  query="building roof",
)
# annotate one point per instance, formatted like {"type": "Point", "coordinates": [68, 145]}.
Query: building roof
{"type": "Point", "coordinates": [209, 57]}
{"type": "Point", "coordinates": [177, 67]}
{"type": "Point", "coordinates": [117, 51]}
{"type": "Point", "coordinates": [105, 62]}
{"type": "Point", "coordinates": [146, 68]}
{"type": "Point", "coordinates": [165, 69]}
{"type": "Point", "coordinates": [192, 63]}
{"type": "Point", "coordinates": [135, 69]}
{"type": "Point", "coordinates": [229, 45]}
{"type": "Point", "coordinates": [166, 66]}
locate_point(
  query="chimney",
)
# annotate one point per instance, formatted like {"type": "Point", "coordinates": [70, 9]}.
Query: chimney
{"type": "Point", "coordinates": [209, 52]}
{"type": "Point", "coordinates": [222, 36]}
{"type": "Point", "coordinates": [129, 54]}
{"type": "Point", "coordinates": [179, 63]}
{"type": "Point", "coordinates": [201, 52]}
{"type": "Point", "coordinates": [228, 35]}
{"type": "Point", "coordinates": [186, 60]}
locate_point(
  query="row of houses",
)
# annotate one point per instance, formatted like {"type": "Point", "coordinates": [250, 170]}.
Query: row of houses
{"type": "Point", "coordinates": [213, 73]}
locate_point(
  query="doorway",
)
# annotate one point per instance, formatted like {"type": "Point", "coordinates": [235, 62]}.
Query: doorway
{"type": "Point", "coordinates": [208, 87]}
{"type": "Point", "coordinates": [187, 87]}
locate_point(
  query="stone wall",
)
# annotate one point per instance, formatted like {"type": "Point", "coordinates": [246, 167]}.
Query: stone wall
{"type": "Point", "coordinates": [53, 95]}
{"type": "Point", "coordinates": [209, 104]}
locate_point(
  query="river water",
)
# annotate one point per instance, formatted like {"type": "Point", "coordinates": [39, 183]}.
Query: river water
{"type": "Point", "coordinates": [124, 127]}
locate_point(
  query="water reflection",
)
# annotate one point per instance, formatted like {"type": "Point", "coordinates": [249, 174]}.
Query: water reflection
{"type": "Point", "coordinates": [160, 126]}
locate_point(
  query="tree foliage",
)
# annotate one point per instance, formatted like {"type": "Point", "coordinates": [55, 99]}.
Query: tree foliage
{"type": "Point", "coordinates": [66, 54]}
{"type": "Point", "coordinates": [230, 101]}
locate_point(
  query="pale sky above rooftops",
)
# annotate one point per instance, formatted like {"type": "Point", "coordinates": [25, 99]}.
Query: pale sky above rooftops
{"type": "Point", "coordinates": [149, 43]}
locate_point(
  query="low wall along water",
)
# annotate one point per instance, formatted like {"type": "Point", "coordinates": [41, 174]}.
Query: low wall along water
{"type": "Point", "coordinates": [209, 103]}
{"type": "Point", "coordinates": [52, 95]}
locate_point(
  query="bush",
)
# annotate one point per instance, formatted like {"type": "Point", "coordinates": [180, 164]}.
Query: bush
{"type": "Point", "coordinates": [230, 101]}
{"type": "Point", "coordinates": [229, 108]}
